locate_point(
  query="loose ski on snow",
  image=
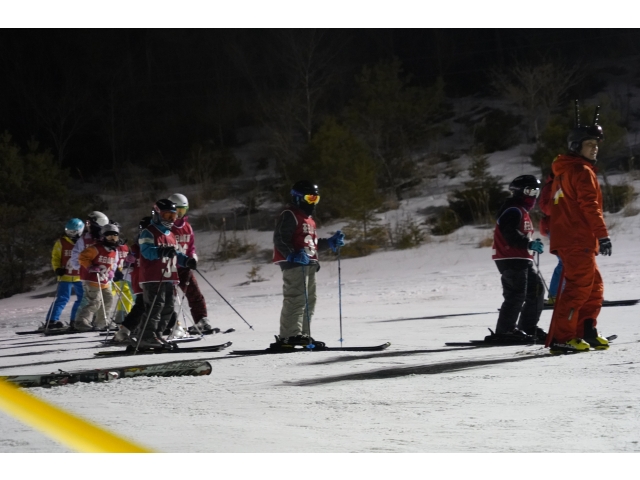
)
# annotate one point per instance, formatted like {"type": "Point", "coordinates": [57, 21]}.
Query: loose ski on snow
{"type": "Point", "coordinates": [272, 351]}
{"type": "Point", "coordinates": [130, 350]}
{"type": "Point", "coordinates": [482, 343]}
{"type": "Point", "coordinates": [170, 369]}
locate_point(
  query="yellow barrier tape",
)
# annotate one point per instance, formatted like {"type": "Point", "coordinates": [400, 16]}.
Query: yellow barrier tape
{"type": "Point", "coordinates": [72, 431]}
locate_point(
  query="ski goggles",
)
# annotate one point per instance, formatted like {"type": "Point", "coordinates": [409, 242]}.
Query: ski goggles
{"type": "Point", "coordinates": [168, 215]}
{"type": "Point", "coordinates": [311, 199]}
{"type": "Point", "coordinates": [531, 191]}
{"type": "Point", "coordinates": [182, 211]}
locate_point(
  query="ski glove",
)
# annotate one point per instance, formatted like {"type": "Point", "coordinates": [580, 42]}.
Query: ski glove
{"type": "Point", "coordinates": [130, 259]}
{"type": "Point", "coordinates": [605, 246]}
{"type": "Point", "coordinates": [191, 263]}
{"type": "Point", "coordinates": [337, 240]}
{"type": "Point", "coordinates": [61, 271]}
{"type": "Point", "coordinates": [166, 251]}
{"type": "Point", "coordinates": [96, 269]}
{"type": "Point", "coordinates": [301, 257]}
{"type": "Point", "coordinates": [118, 275]}
{"type": "Point", "coordinates": [536, 246]}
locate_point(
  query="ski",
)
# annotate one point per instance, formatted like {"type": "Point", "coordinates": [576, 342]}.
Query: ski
{"type": "Point", "coordinates": [170, 369]}
{"type": "Point", "coordinates": [213, 331]}
{"type": "Point", "coordinates": [111, 343]}
{"type": "Point", "coordinates": [374, 348]}
{"type": "Point", "coordinates": [606, 303]}
{"type": "Point", "coordinates": [61, 331]}
{"type": "Point", "coordinates": [482, 343]}
{"type": "Point", "coordinates": [130, 350]}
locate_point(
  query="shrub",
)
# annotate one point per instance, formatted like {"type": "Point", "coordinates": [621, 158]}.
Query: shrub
{"type": "Point", "coordinates": [498, 131]}
{"type": "Point", "coordinates": [616, 197]}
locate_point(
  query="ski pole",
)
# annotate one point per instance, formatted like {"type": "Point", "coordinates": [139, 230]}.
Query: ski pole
{"type": "Point", "coordinates": [113, 315]}
{"type": "Point", "coordinates": [48, 319]}
{"type": "Point", "coordinates": [214, 289]}
{"type": "Point", "coordinates": [340, 295]}
{"type": "Point", "coordinates": [184, 316]}
{"type": "Point", "coordinates": [540, 274]}
{"type": "Point", "coordinates": [104, 310]}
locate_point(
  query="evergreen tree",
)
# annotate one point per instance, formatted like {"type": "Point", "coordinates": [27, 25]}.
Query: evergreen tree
{"type": "Point", "coordinates": [34, 199]}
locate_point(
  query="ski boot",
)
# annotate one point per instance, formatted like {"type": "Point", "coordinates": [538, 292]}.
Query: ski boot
{"type": "Point", "coordinates": [539, 334]}
{"type": "Point", "coordinates": [513, 337]}
{"type": "Point", "coordinates": [575, 345]}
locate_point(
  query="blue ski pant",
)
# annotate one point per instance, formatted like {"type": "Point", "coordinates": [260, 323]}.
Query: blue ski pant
{"type": "Point", "coordinates": [62, 298]}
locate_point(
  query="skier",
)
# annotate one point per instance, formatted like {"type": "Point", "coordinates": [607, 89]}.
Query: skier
{"type": "Point", "coordinates": [121, 285]}
{"type": "Point", "coordinates": [98, 263]}
{"type": "Point", "coordinates": [579, 233]}
{"type": "Point", "coordinates": [544, 202]}
{"type": "Point", "coordinates": [159, 258]}
{"type": "Point", "coordinates": [95, 221]}
{"type": "Point", "coordinates": [295, 250]}
{"type": "Point", "coordinates": [522, 287]}
{"type": "Point", "coordinates": [188, 284]}
{"type": "Point", "coordinates": [135, 315]}
{"type": "Point", "coordinates": [68, 277]}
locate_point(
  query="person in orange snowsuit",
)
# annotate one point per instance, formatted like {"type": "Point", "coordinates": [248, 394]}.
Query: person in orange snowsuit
{"type": "Point", "coordinates": [578, 234]}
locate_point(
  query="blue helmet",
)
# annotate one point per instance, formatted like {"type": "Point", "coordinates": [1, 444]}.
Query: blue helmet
{"type": "Point", "coordinates": [74, 228]}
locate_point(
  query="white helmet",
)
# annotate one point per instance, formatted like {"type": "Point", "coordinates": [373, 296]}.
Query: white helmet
{"type": "Point", "coordinates": [98, 218]}
{"type": "Point", "coordinates": [180, 200]}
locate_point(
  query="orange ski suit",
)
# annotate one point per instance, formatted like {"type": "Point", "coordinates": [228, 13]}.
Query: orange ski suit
{"type": "Point", "coordinates": [576, 224]}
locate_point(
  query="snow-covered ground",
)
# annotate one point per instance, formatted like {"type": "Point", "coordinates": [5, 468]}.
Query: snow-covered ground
{"type": "Point", "coordinates": [418, 396]}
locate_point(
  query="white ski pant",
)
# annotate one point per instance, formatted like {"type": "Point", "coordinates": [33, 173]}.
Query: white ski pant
{"type": "Point", "coordinates": [92, 300]}
{"type": "Point", "coordinates": [294, 318]}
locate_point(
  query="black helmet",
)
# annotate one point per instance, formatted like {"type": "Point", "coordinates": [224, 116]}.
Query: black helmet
{"type": "Point", "coordinates": [580, 134]}
{"type": "Point", "coordinates": [305, 195]}
{"type": "Point", "coordinates": [525, 185]}
{"type": "Point", "coordinates": [164, 212]}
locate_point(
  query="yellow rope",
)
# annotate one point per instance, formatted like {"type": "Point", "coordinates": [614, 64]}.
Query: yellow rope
{"type": "Point", "coordinates": [72, 431]}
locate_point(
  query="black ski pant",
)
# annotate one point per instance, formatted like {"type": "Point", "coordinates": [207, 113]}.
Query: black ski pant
{"type": "Point", "coordinates": [523, 293]}
{"type": "Point", "coordinates": [158, 304]}
{"type": "Point", "coordinates": [133, 318]}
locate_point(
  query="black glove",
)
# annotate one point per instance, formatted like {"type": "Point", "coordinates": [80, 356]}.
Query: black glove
{"type": "Point", "coordinates": [167, 251]}
{"type": "Point", "coordinates": [605, 246]}
{"type": "Point", "coordinates": [61, 271]}
{"type": "Point", "coordinates": [118, 275]}
{"type": "Point", "coordinates": [191, 263]}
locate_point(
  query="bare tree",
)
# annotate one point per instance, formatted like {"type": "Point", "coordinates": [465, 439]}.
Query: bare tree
{"type": "Point", "coordinates": [537, 88]}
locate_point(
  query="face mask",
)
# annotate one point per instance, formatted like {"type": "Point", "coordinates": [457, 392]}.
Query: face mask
{"type": "Point", "coordinates": [529, 202]}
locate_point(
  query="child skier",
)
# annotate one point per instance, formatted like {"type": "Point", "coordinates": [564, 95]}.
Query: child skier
{"type": "Point", "coordinates": [159, 258]}
{"type": "Point", "coordinates": [68, 277]}
{"type": "Point", "coordinates": [188, 284]}
{"type": "Point", "coordinates": [522, 287]}
{"type": "Point", "coordinates": [296, 246]}
{"type": "Point", "coordinates": [98, 262]}
{"type": "Point", "coordinates": [132, 261]}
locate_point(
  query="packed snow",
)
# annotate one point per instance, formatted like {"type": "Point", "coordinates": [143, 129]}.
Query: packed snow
{"type": "Point", "coordinates": [418, 396]}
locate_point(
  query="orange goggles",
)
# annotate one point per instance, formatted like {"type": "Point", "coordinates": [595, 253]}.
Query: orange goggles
{"type": "Point", "coordinates": [168, 215]}
{"type": "Point", "coordinates": [312, 199]}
